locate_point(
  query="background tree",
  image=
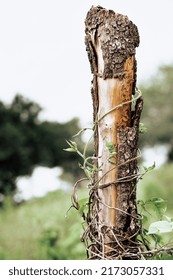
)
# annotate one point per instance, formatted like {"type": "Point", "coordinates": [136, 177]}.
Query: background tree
{"type": "Point", "coordinates": [25, 142]}
{"type": "Point", "coordinates": [157, 114]}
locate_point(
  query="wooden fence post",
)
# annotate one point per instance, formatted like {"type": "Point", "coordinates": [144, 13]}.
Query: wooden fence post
{"type": "Point", "coordinates": [113, 221]}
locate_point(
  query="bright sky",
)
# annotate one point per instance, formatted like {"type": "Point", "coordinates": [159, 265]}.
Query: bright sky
{"type": "Point", "coordinates": [43, 57]}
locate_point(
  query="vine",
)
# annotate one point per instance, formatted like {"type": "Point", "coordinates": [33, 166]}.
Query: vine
{"type": "Point", "coordinates": [84, 205]}
{"type": "Point", "coordinates": [90, 168]}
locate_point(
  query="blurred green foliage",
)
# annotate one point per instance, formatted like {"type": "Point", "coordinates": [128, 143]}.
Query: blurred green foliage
{"type": "Point", "coordinates": [157, 113]}
{"type": "Point", "coordinates": [25, 142]}
{"type": "Point", "coordinates": [38, 229]}
{"type": "Point", "coordinates": [157, 187]}
{"type": "Point", "coordinates": [158, 183]}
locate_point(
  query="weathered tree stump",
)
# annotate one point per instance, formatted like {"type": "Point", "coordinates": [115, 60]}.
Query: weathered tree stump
{"type": "Point", "coordinates": [111, 39]}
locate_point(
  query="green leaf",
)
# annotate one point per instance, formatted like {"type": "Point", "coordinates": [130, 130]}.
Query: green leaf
{"type": "Point", "coordinates": [83, 201]}
{"type": "Point", "coordinates": [160, 204]}
{"type": "Point", "coordinates": [72, 144]}
{"type": "Point", "coordinates": [71, 150]}
{"type": "Point", "coordinates": [83, 205]}
{"type": "Point", "coordinates": [145, 168]}
{"type": "Point", "coordinates": [142, 128]}
{"type": "Point", "coordinates": [150, 168]}
{"type": "Point", "coordinates": [140, 202]}
{"type": "Point", "coordinates": [111, 147]}
{"type": "Point", "coordinates": [160, 227]}
{"type": "Point", "coordinates": [144, 219]}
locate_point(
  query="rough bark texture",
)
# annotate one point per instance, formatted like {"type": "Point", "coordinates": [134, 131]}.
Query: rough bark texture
{"type": "Point", "coordinates": [127, 175]}
{"type": "Point", "coordinates": [118, 36]}
{"type": "Point", "coordinates": [113, 225]}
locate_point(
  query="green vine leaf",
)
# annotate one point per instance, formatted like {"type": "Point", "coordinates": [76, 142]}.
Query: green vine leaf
{"type": "Point", "coordinates": [71, 150]}
{"type": "Point", "coordinates": [111, 148]}
{"type": "Point", "coordinates": [112, 153]}
{"type": "Point", "coordinates": [83, 206]}
{"type": "Point", "coordinates": [142, 128]}
{"type": "Point", "coordinates": [160, 204]}
{"type": "Point", "coordinates": [73, 146]}
{"type": "Point", "coordinates": [150, 168]}
{"type": "Point", "coordinates": [160, 227]}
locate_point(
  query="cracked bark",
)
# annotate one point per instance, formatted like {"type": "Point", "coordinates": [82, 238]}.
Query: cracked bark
{"type": "Point", "coordinates": [111, 39]}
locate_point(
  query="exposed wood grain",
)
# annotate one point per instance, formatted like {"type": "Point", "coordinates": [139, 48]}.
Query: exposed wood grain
{"type": "Point", "coordinates": [111, 39]}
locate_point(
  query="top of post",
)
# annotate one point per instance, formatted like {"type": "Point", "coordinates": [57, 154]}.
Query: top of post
{"type": "Point", "coordinates": [117, 37]}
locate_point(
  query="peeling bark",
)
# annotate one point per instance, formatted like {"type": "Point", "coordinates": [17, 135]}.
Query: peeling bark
{"type": "Point", "coordinates": [111, 39]}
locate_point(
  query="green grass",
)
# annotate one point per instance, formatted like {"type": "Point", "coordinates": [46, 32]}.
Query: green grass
{"type": "Point", "coordinates": [38, 229]}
